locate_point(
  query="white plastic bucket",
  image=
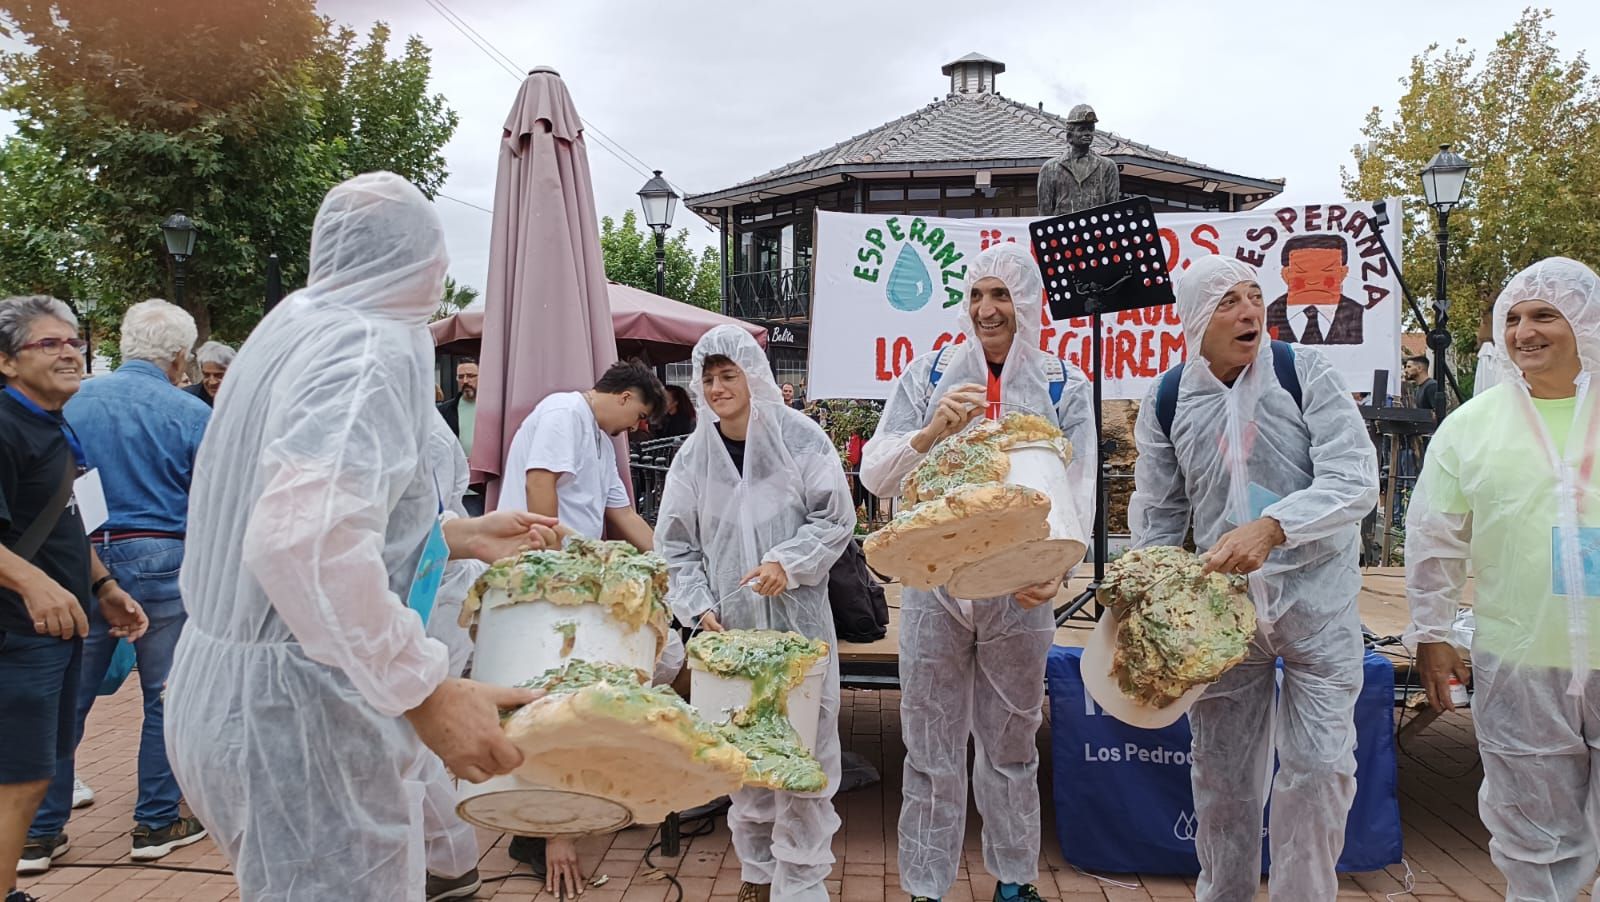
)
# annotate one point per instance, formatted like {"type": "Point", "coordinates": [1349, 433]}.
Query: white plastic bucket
{"type": "Point", "coordinates": [517, 642]}
{"type": "Point", "coordinates": [717, 697]}
{"type": "Point", "coordinates": [1038, 466]}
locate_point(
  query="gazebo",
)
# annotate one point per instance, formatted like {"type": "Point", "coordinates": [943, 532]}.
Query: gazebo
{"type": "Point", "coordinates": [971, 153]}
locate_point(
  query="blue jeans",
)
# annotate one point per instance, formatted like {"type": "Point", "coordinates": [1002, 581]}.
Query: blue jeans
{"type": "Point", "coordinates": [147, 569]}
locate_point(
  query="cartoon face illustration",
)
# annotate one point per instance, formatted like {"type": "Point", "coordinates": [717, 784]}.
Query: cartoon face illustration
{"type": "Point", "coordinates": [1313, 309]}
{"type": "Point", "coordinates": [1314, 268]}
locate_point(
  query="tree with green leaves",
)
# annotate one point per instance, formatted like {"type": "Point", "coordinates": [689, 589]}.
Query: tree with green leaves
{"type": "Point", "coordinates": [243, 114]}
{"type": "Point", "coordinates": [1528, 120]}
{"type": "Point", "coordinates": [630, 257]}
{"type": "Point", "coordinates": [456, 298]}
{"type": "Point", "coordinates": [42, 245]}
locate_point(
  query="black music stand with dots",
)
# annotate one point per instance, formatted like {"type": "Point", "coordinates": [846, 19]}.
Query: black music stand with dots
{"type": "Point", "coordinates": [1102, 260]}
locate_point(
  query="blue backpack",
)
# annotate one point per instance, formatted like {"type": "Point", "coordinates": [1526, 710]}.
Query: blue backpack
{"type": "Point", "coordinates": [1054, 371]}
{"type": "Point", "coordinates": [1167, 391]}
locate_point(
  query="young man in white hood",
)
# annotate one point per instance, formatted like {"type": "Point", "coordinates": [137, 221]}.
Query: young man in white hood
{"type": "Point", "coordinates": [755, 512]}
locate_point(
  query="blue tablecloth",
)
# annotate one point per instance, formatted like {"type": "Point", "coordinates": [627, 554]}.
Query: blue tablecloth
{"type": "Point", "coordinates": [1122, 795]}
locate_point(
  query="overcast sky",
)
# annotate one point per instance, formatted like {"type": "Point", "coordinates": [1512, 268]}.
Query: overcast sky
{"type": "Point", "coordinates": [713, 93]}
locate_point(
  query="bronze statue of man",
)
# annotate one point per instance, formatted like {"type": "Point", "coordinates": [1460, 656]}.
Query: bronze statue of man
{"type": "Point", "coordinates": [1080, 178]}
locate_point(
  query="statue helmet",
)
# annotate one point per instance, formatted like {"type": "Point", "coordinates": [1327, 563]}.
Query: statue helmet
{"type": "Point", "coordinates": [1082, 113]}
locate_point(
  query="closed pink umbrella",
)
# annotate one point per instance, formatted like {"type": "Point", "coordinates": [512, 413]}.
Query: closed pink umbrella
{"type": "Point", "coordinates": [547, 321]}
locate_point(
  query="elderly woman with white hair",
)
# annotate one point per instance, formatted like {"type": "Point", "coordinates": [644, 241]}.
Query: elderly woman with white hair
{"type": "Point", "coordinates": [213, 358]}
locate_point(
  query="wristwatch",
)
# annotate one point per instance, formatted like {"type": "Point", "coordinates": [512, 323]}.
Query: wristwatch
{"type": "Point", "coordinates": [95, 589]}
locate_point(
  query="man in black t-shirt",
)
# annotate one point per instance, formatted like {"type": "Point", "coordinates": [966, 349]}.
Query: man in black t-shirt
{"type": "Point", "coordinates": [1419, 374]}
{"type": "Point", "coordinates": [48, 581]}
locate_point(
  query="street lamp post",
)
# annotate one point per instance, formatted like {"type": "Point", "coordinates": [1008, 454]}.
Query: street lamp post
{"type": "Point", "coordinates": [1442, 181]}
{"type": "Point", "coordinates": [179, 233]}
{"type": "Point", "coordinates": [659, 201]}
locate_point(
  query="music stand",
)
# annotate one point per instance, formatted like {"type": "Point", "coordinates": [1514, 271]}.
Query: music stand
{"type": "Point", "coordinates": [1102, 260]}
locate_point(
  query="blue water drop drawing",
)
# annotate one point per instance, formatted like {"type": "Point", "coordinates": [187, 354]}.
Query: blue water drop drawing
{"type": "Point", "coordinates": [910, 285]}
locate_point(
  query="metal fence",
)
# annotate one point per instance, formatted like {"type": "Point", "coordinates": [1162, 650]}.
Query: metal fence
{"type": "Point", "coordinates": [649, 462]}
{"type": "Point", "coordinates": [774, 294]}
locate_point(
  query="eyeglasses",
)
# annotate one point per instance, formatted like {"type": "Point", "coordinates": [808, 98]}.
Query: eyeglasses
{"type": "Point", "coordinates": [56, 347]}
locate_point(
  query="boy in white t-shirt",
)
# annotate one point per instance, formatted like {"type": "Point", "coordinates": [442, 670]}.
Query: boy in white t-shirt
{"type": "Point", "coordinates": [563, 459]}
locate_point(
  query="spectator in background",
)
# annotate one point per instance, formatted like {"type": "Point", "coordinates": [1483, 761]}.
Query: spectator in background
{"type": "Point", "coordinates": [679, 418]}
{"type": "Point", "coordinates": [1487, 375]}
{"type": "Point", "coordinates": [461, 414]}
{"type": "Point", "coordinates": [1419, 374]}
{"type": "Point", "coordinates": [48, 572]}
{"type": "Point", "coordinates": [213, 358]}
{"type": "Point", "coordinates": [141, 433]}
{"type": "Point", "coordinates": [789, 397]}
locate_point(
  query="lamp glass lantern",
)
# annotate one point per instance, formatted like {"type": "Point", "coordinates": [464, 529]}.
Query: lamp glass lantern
{"type": "Point", "coordinates": [179, 233]}
{"type": "Point", "coordinates": [1443, 178]}
{"type": "Point", "coordinates": [659, 201]}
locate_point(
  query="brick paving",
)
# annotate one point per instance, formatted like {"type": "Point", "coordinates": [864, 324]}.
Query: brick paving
{"type": "Point", "coordinates": [1445, 843]}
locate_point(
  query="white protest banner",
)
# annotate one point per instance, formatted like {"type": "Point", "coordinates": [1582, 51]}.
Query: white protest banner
{"type": "Point", "coordinates": [887, 288]}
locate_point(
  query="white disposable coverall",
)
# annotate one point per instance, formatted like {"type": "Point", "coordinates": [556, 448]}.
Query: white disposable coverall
{"type": "Point", "coordinates": [310, 505]}
{"type": "Point", "coordinates": [976, 667]}
{"type": "Point", "coordinates": [448, 464]}
{"type": "Point", "coordinates": [1505, 477]}
{"type": "Point", "coordinates": [1313, 469]}
{"type": "Point", "coordinates": [791, 506]}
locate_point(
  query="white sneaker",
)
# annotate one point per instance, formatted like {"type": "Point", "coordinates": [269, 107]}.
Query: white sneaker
{"type": "Point", "coordinates": [82, 795]}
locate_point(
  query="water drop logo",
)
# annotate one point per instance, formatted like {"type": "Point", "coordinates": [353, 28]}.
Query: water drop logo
{"type": "Point", "coordinates": [1186, 826]}
{"type": "Point", "coordinates": [925, 260]}
{"type": "Point", "coordinates": [910, 286]}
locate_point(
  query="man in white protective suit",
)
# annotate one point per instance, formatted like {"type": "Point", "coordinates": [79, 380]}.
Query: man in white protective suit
{"type": "Point", "coordinates": [1509, 489]}
{"type": "Point", "coordinates": [976, 667]}
{"type": "Point", "coordinates": [448, 462]}
{"type": "Point", "coordinates": [755, 512]}
{"type": "Point", "coordinates": [1265, 454]}
{"type": "Point", "coordinates": [308, 712]}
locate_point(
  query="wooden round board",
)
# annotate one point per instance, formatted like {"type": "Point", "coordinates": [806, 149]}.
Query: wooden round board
{"type": "Point", "coordinates": [509, 804]}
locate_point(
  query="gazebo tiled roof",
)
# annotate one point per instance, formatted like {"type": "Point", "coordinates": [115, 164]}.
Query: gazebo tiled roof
{"type": "Point", "coordinates": [973, 127]}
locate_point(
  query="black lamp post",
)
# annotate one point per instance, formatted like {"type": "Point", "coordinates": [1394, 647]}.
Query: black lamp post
{"type": "Point", "coordinates": [179, 233]}
{"type": "Point", "coordinates": [659, 201]}
{"type": "Point", "coordinates": [1442, 181]}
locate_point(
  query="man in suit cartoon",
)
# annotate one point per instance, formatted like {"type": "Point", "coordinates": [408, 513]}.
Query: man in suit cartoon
{"type": "Point", "coordinates": [1315, 311]}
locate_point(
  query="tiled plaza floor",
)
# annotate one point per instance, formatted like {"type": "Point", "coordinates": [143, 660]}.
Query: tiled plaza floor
{"type": "Point", "coordinates": [1446, 845]}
